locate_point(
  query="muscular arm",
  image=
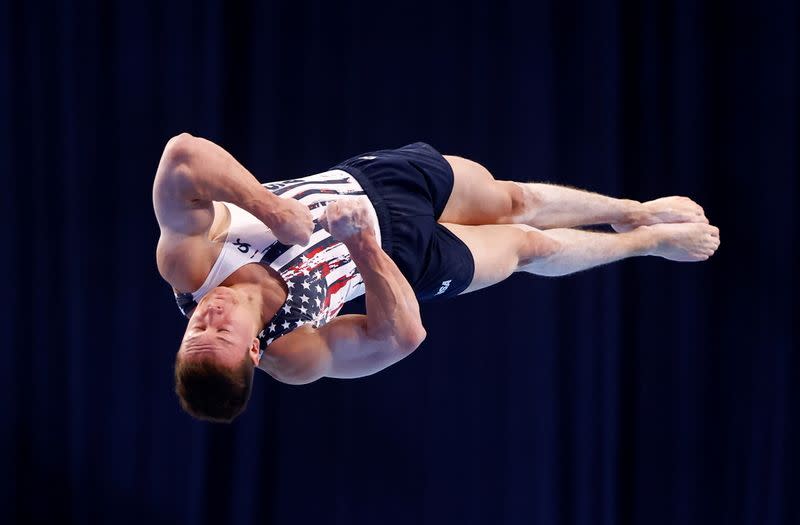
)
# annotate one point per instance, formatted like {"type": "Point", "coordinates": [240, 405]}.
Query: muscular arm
{"type": "Point", "coordinates": [193, 172]}
{"type": "Point", "coordinates": [357, 345]}
{"type": "Point", "coordinates": [392, 308]}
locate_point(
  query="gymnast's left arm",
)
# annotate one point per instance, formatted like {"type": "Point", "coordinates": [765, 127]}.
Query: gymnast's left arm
{"type": "Point", "coordinates": [356, 345]}
{"type": "Point", "coordinates": [194, 171]}
{"type": "Point", "coordinates": [392, 329]}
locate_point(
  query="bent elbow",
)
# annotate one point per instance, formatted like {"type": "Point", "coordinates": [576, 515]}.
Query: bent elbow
{"type": "Point", "coordinates": [411, 340]}
{"type": "Point", "coordinates": [299, 379]}
{"type": "Point", "coordinates": [179, 150]}
{"type": "Point", "coordinates": [421, 334]}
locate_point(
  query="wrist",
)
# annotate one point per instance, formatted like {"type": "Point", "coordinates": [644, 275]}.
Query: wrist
{"type": "Point", "coordinates": [264, 205]}
{"type": "Point", "coordinates": [362, 242]}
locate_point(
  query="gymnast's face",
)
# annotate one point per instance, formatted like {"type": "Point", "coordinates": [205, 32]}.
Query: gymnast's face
{"type": "Point", "coordinates": [221, 326]}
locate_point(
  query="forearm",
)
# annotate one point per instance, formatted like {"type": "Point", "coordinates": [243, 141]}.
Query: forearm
{"type": "Point", "coordinates": [214, 175]}
{"type": "Point", "coordinates": [552, 206]}
{"type": "Point", "coordinates": [392, 307]}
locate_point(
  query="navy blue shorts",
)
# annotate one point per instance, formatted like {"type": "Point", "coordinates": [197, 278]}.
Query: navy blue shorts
{"type": "Point", "coordinates": [409, 188]}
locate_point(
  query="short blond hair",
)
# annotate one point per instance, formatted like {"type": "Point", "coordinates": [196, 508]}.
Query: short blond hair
{"type": "Point", "coordinates": [212, 392]}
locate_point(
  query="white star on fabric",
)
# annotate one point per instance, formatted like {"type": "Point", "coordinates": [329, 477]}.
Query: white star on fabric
{"type": "Point", "coordinates": [288, 297]}
{"type": "Point", "coordinates": [290, 284]}
{"type": "Point", "coordinates": [269, 341]}
{"type": "Point", "coordinates": [319, 288]}
{"type": "Point", "coordinates": [317, 301]}
{"type": "Point", "coordinates": [303, 309]}
{"type": "Point", "coordinates": [287, 308]}
{"type": "Point", "coordinates": [286, 324]}
{"type": "Point", "coordinates": [304, 298]}
{"type": "Point", "coordinates": [271, 327]}
{"type": "Point", "coordinates": [317, 274]}
{"type": "Point", "coordinates": [299, 323]}
{"type": "Point", "coordinates": [306, 286]}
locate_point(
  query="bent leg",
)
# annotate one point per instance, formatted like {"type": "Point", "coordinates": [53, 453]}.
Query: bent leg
{"type": "Point", "coordinates": [500, 250]}
{"type": "Point", "coordinates": [477, 198]}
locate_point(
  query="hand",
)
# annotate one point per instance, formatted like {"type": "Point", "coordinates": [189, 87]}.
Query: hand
{"type": "Point", "coordinates": [346, 218]}
{"type": "Point", "coordinates": [291, 222]}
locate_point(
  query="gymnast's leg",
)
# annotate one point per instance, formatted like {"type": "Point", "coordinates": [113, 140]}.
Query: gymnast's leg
{"type": "Point", "coordinates": [477, 198]}
{"type": "Point", "coordinates": [500, 250]}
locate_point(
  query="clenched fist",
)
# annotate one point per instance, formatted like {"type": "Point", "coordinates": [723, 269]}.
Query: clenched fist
{"type": "Point", "coordinates": [347, 217]}
{"type": "Point", "coordinates": [291, 222]}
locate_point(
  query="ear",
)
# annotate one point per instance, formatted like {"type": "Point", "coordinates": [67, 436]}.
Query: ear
{"type": "Point", "coordinates": [254, 350]}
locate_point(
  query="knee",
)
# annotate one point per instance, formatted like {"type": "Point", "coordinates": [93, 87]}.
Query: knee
{"type": "Point", "coordinates": [523, 200]}
{"type": "Point", "coordinates": [537, 246]}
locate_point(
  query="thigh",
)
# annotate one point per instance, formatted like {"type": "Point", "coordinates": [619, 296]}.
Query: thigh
{"type": "Point", "coordinates": [496, 250]}
{"type": "Point", "coordinates": [477, 198]}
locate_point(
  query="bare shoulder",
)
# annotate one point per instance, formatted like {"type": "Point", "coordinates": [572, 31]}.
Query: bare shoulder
{"type": "Point", "coordinates": [299, 357]}
{"type": "Point", "coordinates": [184, 261]}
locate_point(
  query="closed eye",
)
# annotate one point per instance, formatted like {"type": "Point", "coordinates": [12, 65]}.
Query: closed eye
{"type": "Point", "coordinates": [225, 340]}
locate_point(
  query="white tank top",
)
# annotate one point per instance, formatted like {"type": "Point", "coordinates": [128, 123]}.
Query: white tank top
{"type": "Point", "coordinates": [321, 276]}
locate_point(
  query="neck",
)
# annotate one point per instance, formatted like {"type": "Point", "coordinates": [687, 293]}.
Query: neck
{"type": "Point", "coordinates": [253, 299]}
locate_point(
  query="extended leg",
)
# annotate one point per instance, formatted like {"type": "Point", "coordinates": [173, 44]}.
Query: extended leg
{"type": "Point", "coordinates": [500, 250]}
{"type": "Point", "coordinates": [478, 198]}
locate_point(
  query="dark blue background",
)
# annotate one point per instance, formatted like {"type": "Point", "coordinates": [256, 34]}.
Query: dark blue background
{"type": "Point", "coordinates": [644, 392]}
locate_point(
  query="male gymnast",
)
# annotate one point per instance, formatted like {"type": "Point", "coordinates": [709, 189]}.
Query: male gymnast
{"type": "Point", "coordinates": [261, 271]}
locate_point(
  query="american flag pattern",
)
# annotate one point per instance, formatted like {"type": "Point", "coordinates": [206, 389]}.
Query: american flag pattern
{"type": "Point", "coordinates": [320, 276]}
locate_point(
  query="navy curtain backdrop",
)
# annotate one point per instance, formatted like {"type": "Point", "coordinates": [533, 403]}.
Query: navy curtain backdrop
{"type": "Point", "coordinates": [646, 392]}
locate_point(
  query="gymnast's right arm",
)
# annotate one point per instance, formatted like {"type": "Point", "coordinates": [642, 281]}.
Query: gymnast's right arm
{"type": "Point", "coordinates": [193, 172]}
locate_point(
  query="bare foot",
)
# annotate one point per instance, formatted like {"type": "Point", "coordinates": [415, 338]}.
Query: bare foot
{"type": "Point", "coordinates": [685, 242]}
{"type": "Point", "coordinates": [665, 210]}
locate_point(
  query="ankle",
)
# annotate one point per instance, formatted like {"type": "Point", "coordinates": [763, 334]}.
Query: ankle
{"type": "Point", "coordinates": [635, 212]}
{"type": "Point", "coordinates": [645, 240]}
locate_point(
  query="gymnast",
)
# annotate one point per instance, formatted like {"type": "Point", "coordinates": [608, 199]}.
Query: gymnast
{"type": "Point", "coordinates": [261, 271]}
